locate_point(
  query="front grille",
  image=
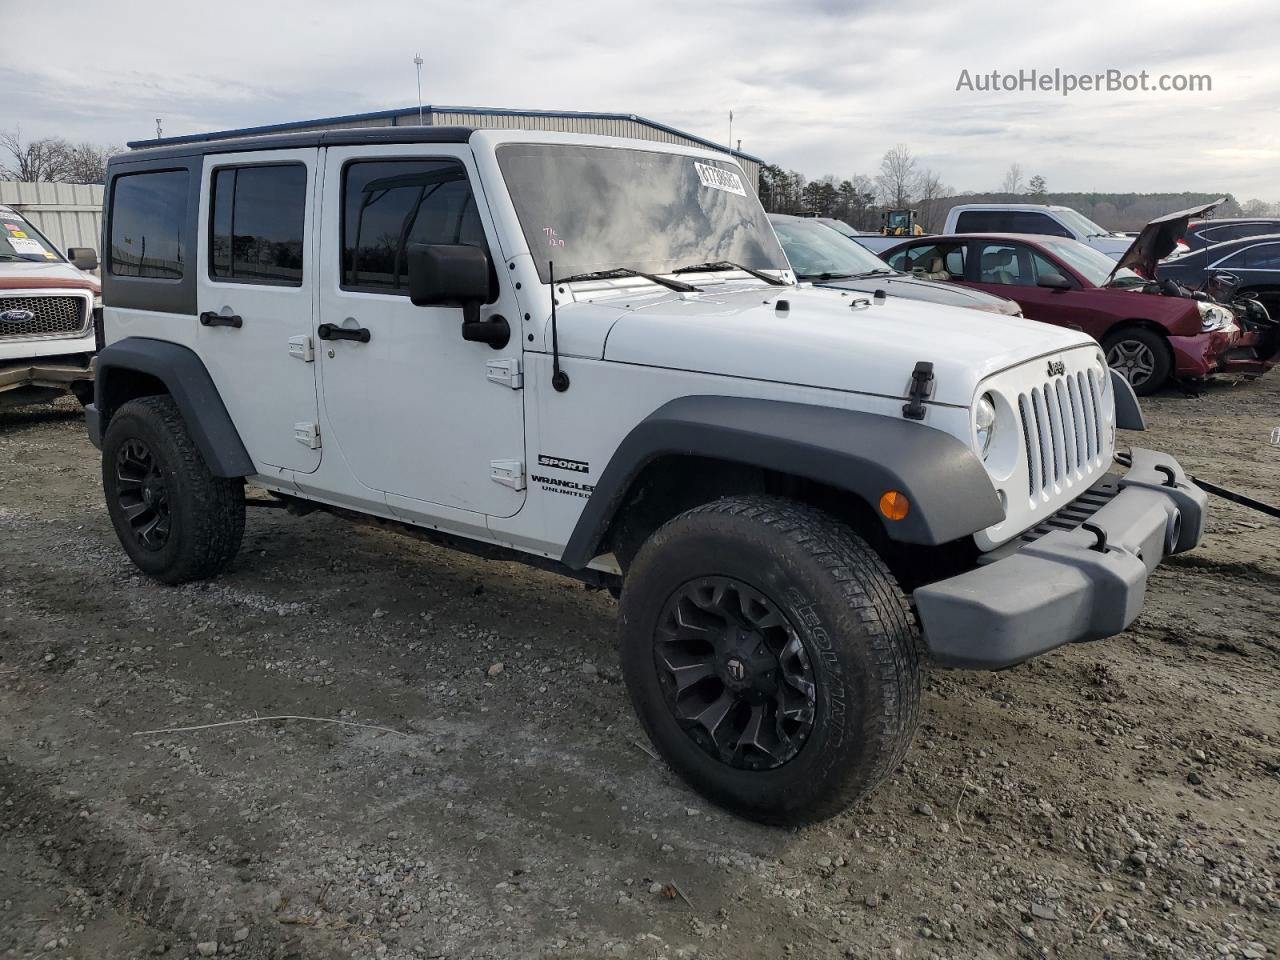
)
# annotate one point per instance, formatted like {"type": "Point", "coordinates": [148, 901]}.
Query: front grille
{"type": "Point", "coordinates": [54, 316]}
{"type": "Point", "coordinates": [1062, 429]}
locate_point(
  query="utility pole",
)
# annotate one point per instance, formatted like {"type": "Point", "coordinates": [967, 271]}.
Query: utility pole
{"type": "Point", "coordinates": [159, 132]}
{"type": "Point", "coordinates": [730, 129]}
{"type": "Point", "coordinates": [417, 62]}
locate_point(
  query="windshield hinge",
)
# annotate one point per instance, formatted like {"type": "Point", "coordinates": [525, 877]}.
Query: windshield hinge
{"type": "Point", "coordinates": [920, 390]}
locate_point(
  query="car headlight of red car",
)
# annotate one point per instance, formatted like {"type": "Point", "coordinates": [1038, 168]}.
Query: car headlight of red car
{"type": "Point", "coordinates": [1215, 317]}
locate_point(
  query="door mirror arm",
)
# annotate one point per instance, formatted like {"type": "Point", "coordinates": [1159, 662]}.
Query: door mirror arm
{"type": "Point", "coordinates": [457, 275]}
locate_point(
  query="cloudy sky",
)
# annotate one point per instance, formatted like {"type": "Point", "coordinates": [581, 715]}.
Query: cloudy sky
{"type": "Point", "coordinates": [815, 85]}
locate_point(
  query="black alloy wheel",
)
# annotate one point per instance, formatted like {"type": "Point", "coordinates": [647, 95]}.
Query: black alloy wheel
{"type": "Point", "coordinates": [142, 494]}
{"type": "Point", "coordinates": [735, 673]}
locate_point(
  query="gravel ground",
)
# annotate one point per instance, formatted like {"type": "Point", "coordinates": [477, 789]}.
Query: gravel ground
{"type": "Point", "coordinates": [481, 789]}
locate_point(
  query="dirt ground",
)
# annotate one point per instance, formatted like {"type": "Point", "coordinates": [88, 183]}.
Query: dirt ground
{"type": "Point", "coordinates": [483, 790]}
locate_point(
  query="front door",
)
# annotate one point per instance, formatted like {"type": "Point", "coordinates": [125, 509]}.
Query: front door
{"type": "Point", "coordinates": [1012, 270]}
{"type": "Point", "coordinates": [255, 291]}
{"type": "Point", "coordinates": [416, 411]}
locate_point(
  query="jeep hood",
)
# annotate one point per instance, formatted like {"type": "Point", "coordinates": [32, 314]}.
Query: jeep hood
{"type": "Point", "coordinates": [818, 340]}
{"type": "Point", "coordinates": [1157, 240]}
{"type": "Point", "coordinates": [934, 291]}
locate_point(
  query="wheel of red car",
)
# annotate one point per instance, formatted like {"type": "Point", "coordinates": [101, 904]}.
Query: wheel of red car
{"type": "Point", "coordinates": [1141, 356]}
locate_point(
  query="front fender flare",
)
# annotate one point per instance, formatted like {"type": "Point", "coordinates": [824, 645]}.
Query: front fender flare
{"type": "Point", "coordinates": [187, 380]}
{"type": "Point", "coordinates": [866, 454]}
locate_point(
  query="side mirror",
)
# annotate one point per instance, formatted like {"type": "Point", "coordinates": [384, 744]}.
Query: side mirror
{"type": "Point", "coordinates": [456, 275]}
{"type": "Point", "coordinates": [1053, 281]}
{"type": "Point", "coordinates": [83, 258]}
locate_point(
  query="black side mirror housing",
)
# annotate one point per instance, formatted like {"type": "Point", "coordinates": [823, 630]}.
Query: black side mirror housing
{"type": "Point", "coordinates": [83, 258]}
{"type": "Point", "coordinates": [1053, 281]}
{"type": "Point", "coordinates": [457, 275]}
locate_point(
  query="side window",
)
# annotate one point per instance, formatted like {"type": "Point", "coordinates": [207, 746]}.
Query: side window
{"type": "Point", "coordinates": [1028, 221]}
{"type": "Point", "coordinates": [1265, 256]}
{"type": "Point", "coordinates": [388, 204]}
{"type": "Point", "coordinates": [979, 221]}
{"type": "Point", "coordinates": [256, 224]}
{"type": "Point", "coordinates": [1040, 267]}
{"type": "Point", "coordinates": [1006, 264]}
{"type": "Point", "coordinates": [899, 260]}
{"type": "Point", "coordinates": [148, 214]}
{"type": "Point", "coordinates": [936, 261]}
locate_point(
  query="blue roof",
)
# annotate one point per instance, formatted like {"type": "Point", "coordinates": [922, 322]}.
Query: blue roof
{"type": "Point", "coordinates": [431, 108]}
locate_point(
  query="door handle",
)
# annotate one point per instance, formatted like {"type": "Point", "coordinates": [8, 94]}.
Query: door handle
{"type": "Point", "coordinates": [211, 319]}
{"type": "Point", "coordinates": [331, 331]}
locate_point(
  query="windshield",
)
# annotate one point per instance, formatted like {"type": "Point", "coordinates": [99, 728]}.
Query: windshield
{"type": "Point", "coordinates": [815, 250]}
{"type": "Point", "coordinates": [1081, 224]}
{"type": "Point", "coordinates": [1094, 265]}
{"type": "Point", "coordinates": [602, 208]}
{"type": "Point", "coordinates": [21, 241]}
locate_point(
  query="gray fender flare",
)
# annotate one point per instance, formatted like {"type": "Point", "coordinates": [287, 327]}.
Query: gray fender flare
{"type": "Point", "coordinates": [867, 454]}
{"type": "Point", "coordinates": [1128, 410]}
{"type": "Point", "coordinates": [188, 382]}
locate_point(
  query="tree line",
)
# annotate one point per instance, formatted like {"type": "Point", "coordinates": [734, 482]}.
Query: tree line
{"type": "Point", "coordinates": [52, 159]}
{"type": "Point", "coordinates": [902, 183]}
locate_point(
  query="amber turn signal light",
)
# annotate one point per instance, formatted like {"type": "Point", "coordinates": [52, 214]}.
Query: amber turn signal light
{"type": "Point", "coordinates": [894, 505]}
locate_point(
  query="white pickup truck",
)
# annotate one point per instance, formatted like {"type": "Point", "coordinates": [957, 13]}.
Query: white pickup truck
{"type": "Point", "coordinates": [1035, 218]}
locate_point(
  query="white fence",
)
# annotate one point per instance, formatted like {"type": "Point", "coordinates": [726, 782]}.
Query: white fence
{"type": "Point", "coordinates": [69, 214]}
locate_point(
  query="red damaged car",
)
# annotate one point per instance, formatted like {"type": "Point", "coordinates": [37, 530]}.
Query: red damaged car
{"type": "Point", "coordinates": [1150, 331]}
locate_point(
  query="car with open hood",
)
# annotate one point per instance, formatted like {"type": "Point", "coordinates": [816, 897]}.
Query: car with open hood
{"type": "Point", "coordinates": [590, 355]}
{"type": "Point", "coordinates": [822, 256]}
{"type": "Point", "coordinates": [48, 306]}
{"type": "Point", "coordinates": [1149, 335]}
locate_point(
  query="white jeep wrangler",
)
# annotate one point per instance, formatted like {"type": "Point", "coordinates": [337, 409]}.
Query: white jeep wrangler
{"type": "Point", "coordinates": [591, 354]}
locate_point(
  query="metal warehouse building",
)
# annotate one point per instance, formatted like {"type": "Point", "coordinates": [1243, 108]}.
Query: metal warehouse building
{"type": "Point", "coordinates": [567, 121]}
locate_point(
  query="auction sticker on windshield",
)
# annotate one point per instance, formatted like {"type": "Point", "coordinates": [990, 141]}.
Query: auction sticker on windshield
{"type": "Point", "coordinates": [25, 245]}
{"type": "Point", "coordinates": [718, 179]}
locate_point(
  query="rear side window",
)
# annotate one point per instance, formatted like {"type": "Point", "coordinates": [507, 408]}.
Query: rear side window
{"type": "Point", "coordinates": [148, 214]}
{"type": "Point", "coordinates": [1026, 221]}
{"type": "Point", "coordinates": [256, 228]}
{"type": "Point", "coordinates": [938, 261]}
{"type": "Point", "coordinates": [388, 204]}
{"type": "Point", "coordinates": [981, 221]}
{"type": "Point", "coordinates": [1264, 256]}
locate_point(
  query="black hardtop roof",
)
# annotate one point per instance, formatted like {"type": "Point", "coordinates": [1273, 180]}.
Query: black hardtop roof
{"type": "Point", "coordinates": [340, 137]}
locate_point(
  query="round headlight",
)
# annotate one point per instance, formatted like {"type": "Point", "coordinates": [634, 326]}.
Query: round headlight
{"type": "Point", "coordinates": [984, 418]}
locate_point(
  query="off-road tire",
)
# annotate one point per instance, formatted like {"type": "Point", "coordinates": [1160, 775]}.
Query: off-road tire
{"type": "Point", "coordinates": [206, 512]}
{"type": "Point", "coordinates": [848, 612]}
{"type": "Point", "coordinates": [1161, 355]}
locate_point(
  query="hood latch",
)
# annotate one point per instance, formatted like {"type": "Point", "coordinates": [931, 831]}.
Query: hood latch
{"type": "Point", "coordinates": [920, 391]}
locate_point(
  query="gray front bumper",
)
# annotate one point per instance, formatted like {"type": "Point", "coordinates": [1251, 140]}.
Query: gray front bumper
{"type": "Point", "coordinates": [1069, 585]}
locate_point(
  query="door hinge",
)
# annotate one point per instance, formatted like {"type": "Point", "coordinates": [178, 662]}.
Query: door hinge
{"type": "Point", "coordinates": [505, 372]}
{"type": "Point", "coordinates": [509, 473]}
{"type": "Point", "coordinates": [307, 434]}
{"type": "Point", "coordinates": [302, 348]}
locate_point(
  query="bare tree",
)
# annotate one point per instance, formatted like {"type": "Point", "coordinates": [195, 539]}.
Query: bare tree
{"type": "Point", "coordinates": [87, 162]}
{"type": "Point", "coordinates": [930, 189]}
{"type": "Point", "coordinates": [32, 160]}
{"type": "Point", "coordinates": [1012, 179]}
{"type": "Point", "coordinates": [897, 179]}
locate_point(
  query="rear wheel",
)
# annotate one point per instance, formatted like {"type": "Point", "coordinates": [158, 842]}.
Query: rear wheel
{"type": "Point", "coordinates": [771, 657]}
{"type": "Point", "coordinates": [1141, 356]}
{"type": "Point", "coordinates": [175, 520]}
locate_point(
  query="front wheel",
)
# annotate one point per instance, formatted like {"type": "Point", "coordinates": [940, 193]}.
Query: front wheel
{"type": "Point", "coordinates": [771, 657]}
{"type": "Point", "coordinates": [1141, 356]}
{"type": "Point", "coordinates": [175, 520]}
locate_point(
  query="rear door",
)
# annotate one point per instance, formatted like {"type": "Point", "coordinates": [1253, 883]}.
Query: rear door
{"type": "Point", "coordinates": [255, 292]}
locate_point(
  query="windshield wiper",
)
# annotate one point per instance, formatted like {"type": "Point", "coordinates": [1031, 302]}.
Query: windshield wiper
{"type": "Point", "coordinates": [825, 276]}
{"type": "Point", "coordinates": [618, 273]}
{"type": "Point", "coordinates": [730, 265]}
